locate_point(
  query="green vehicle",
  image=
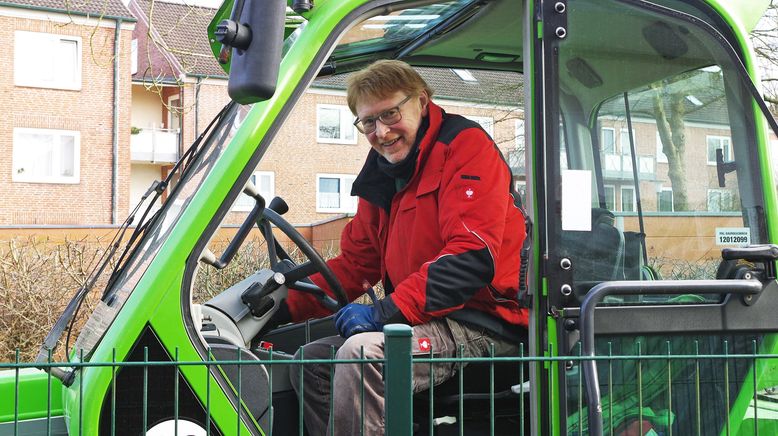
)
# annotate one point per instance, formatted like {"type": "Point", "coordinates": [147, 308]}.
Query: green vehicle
{"type": "Point", "coordinates": [648, 178]}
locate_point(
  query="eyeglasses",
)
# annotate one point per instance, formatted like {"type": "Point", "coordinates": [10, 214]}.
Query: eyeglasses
{"type": "Point", "coordinates": [387, 117]}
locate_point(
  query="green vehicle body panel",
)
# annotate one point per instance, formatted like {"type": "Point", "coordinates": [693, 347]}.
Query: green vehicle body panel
{"type": "Point", "coordinates": [555, 373]}
{"type": "Point", "coordinates": [744, 15]}
{"type": "Point", "coordinates": [766, 378]}
{"type": "Point", "coordinates": [26, 394]}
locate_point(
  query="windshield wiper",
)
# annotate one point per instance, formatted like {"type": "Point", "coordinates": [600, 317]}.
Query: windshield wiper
{"type": "Point", "coordinates": [184, 164]}
{"type": "Point", "coordinates": [69, 315]}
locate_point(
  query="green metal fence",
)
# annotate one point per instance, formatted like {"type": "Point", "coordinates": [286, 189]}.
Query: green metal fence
{"type": "Point", "coordinates": [688, 392]}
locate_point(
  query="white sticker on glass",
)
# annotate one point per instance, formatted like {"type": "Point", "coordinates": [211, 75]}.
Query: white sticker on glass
{"type": "Point", "coordinates": [577, 200]}
{"type": "Point", "coordinates": [733, 236]}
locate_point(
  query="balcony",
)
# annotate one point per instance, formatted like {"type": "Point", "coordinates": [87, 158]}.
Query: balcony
{"type": "Point", "coordinates": [619, 166]}
{"type": "Point", "coordinates": [154, 145]}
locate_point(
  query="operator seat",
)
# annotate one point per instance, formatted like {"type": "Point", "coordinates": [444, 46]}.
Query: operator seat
{"type": "Point", "coordinates": [604, 253]}
{"type": "Point", "coordinates": [511, 386]}
{"type": "Point", "coordinates": [252, 378]}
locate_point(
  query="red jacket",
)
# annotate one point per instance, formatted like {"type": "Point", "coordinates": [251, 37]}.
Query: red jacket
{"type": "Point", "coordinates": [450, 239]}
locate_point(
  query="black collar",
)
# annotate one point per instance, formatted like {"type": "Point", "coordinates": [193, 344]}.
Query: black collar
{"type": "Point", "coordinates": [376, 181]}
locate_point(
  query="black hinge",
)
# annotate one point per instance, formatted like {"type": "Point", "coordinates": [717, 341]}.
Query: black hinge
{"type": "Point", "coordinates": [555, 19]}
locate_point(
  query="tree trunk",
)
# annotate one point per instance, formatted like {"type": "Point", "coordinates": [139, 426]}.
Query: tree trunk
{"type": "Point", "coordinates": [672, 132]}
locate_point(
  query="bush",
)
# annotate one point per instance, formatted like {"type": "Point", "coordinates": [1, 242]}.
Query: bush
{"type": "Point", "coordinates": [39, 277]}
{"type": "Point", "coordinates": [680, 269]}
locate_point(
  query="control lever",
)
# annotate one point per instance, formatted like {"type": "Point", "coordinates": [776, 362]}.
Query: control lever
{"type": "Point", "coordinates": [279, 206]}
{"type": "Point", "coordinates": [209, 258]}
{"type": "Point", "coordinates": [255, 296]}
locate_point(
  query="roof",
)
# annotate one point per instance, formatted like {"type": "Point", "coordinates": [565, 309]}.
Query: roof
{"type": "Point", "coordinates": [96, 8]}
{"type": "Point", "coordinates": [489, 87]}
{"type": "Point", "coordinates": [703, 99]}
{"type": "Point", "coordinates": [182, 30]}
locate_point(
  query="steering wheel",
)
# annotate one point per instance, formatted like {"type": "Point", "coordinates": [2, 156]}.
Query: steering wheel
{"type": "Point", "coordinates": [294, 276]}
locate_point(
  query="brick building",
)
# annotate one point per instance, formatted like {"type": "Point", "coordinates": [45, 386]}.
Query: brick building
{"type": "Point", "coordinates": [65, 99]}
{"type": "Point", "coordinates": [177, 86]}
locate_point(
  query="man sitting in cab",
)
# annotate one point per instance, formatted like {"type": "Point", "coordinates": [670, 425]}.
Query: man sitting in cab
{"type": "Point", "coordinates": [439, 225]}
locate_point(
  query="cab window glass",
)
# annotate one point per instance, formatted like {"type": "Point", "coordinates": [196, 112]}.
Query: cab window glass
{"type": "Point", "coordinates": [672, 179]}
{"type": "Point", "coordinates": [670, 176]}
{"type": "Point", "coordinates": [679, 125]}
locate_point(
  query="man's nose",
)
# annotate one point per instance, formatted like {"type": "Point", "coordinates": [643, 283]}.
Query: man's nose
{"type": "Point", "coordinates": [381, 129]}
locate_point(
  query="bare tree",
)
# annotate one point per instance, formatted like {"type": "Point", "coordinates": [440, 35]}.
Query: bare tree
{"type": "Point", "coordinates": [670, 107]}
{"type": "Point", "coordinates": [765, 41]}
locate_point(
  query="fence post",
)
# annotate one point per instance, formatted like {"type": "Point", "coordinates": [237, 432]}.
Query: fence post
{"type": "Point", "coordinates": [398, 407]}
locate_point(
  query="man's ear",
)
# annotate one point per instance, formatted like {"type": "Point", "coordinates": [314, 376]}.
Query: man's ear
{"type": "Point", "coordinates": [424, 100]}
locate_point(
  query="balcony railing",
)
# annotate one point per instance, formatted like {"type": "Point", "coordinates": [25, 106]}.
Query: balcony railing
{"type": "Point", "coordinates": [154, 145]}
{"type": "Point", "coordinates": [619, 166]}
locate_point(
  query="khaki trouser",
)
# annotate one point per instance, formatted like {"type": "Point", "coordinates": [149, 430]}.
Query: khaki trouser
{"type": "Point", "coordinates": [351, 416]}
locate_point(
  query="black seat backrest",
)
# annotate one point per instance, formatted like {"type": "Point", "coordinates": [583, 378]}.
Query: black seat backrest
{"type": "Point", "coordinates": [605, 253]}
{"type": "Point", "coordinates": [254, 380]}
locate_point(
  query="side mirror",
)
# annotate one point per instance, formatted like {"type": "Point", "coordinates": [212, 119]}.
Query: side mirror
{"type": "Point", "coordinates": [253, 38]}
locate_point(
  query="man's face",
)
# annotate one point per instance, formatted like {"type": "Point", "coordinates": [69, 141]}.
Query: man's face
{"type": "Point", "coordinates": [394, 141]}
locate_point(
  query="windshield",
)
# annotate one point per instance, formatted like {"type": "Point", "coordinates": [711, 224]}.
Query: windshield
{"type": "Point", "coordinates": [390, 31]}
{"type": "Point", "coordinates": [211, 146]}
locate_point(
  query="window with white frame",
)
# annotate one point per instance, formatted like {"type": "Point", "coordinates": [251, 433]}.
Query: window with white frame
{"type": "Point", "coordinates": [265, 183]}
{"type": "Point", "coordinates": [520, 186]}
{"type": "Point", "coordinates": [624, 141]}
{"type": "Point", "coordinates": [661, 157]}
{"type": "Point", "coordinates": [335, 124]}
{"type": "Point", "coordinates": [716, 142]}
{"type": "Point", "coordinates": [134, 56]}
{"type": "Point", "coordinates": [519, 132]}
{"type": "Point", "coordinates": [610, 197]}
{"type": "Point", "coordinates": [664, 200]}
{"type": "Point", "coordinates": [628, 203]}
{"type": "Point", "coordinates": [516, 155]}
{"type": "Point", "coordinates": [45, 60]}
{"type": "Point", "coordinates": [608, 140]}
{"type": "Point", "coordinates": [721, 200]}
{"type": "Point", "coordinates": [46, 155]}
{"type": "Point", "coordinates": [486, 122]}
{"type": "Point", "coordinates": [333, 193]}
{"type": "Point", "coordinates": [516, 161]}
